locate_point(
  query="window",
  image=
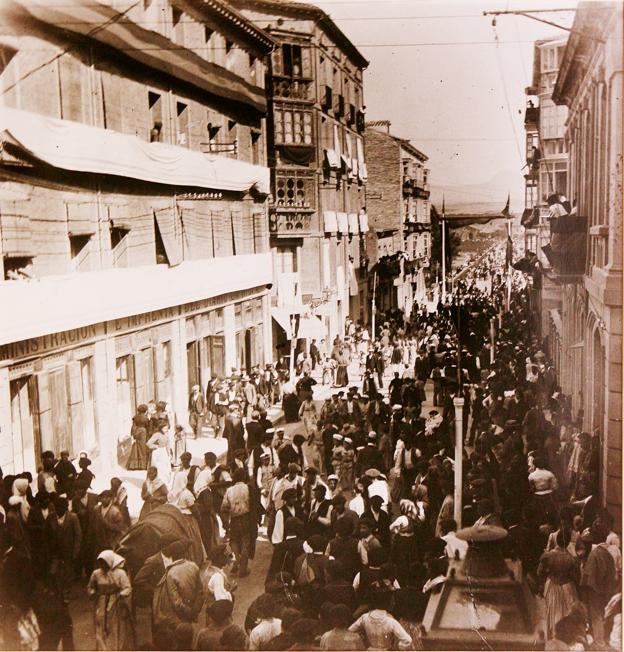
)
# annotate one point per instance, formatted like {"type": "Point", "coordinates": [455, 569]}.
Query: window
{"type": "Point", "coordinates": [177, 33]}
{"type": "Point", "coordinates": [286, 259]}
{"type": "Point", "coordinates": [182, 118]}
{"type": "Point", "coordinates": [292, 60]}
{"type": "Point", "coordinates": [213, 127]}
{"type": "Point", "coordinates": [293, 127]}
{"type": "Point", "coordinates": [231, 125]}
{"type": "Point", "coordinates": [154, 101]}
{"type": "Point", "coordinates": [18, 267]}
{"type": "Point", "coordinates": [256, 157]}
{"type": "Point", "coordinates": [252, 68]}
{"type": "Point", "coordinates": [229, 45]}
{"type": "Point", "coordinates": [79, 251]}
{"type": "Point", "coordinates": [161, 252]}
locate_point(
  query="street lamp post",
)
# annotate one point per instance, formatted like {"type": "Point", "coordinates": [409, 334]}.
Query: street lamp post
{"type": "Point", "coordinates": [458, 403]}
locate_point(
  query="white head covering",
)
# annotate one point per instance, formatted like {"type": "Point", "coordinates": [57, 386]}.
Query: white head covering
{"type": "Point", "coordinates": [112, 559]}
{"type": "Point", "coordinates": [185, 501]}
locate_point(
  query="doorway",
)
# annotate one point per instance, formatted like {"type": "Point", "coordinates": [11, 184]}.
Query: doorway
{"type": "Point", "coordinates": [24, 422]}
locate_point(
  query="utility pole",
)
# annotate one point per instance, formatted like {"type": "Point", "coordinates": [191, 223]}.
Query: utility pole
{"type": "Point", "coordinates": [373, 309]}
{"type": "Point", "coordinates": [443, 254]}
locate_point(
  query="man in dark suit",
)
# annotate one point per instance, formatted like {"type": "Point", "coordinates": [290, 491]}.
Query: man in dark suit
{"type": "Point", "coordinates": [150, 573]}
{"type": "Point", "coordinates": [421, 366]}
{"type": "Point", "coordinates": [380, 519]}
{"type": "Point", "coordinates": [255, 431]}
{"type": "Point", "coordinates": [370, 457]}
{"type": "Point", "coordinates": [292, 453]}
{"type": "Point", "coordinates": [69, 540]}
{"type": "Point", "coordinates": [234, 431]}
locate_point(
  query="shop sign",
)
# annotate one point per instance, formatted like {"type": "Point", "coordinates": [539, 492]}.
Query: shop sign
{"type": "Point", "coordinates": [135, 322]}
{"type": "Point", "coordinates": [38, 346]}
{"type": "Point", "coordinates": [219, 301]}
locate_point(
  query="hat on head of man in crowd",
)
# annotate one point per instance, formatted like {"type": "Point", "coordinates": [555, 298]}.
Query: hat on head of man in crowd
{"type": "Point", "coordinates": [298, 439]}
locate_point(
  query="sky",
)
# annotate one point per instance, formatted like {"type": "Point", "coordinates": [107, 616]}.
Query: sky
{"type": "Point", "coordinates": [440, 76]}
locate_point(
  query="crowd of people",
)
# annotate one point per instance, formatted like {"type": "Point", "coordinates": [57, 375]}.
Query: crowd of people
{"type": "Point", "coordinates": [358, 504]}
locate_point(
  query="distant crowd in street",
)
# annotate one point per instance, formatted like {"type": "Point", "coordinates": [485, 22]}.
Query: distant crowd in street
{"type": "Point", "coordinates": [357, 503]}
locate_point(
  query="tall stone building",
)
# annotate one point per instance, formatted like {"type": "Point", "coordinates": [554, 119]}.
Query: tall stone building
{"type": "Point", "coordinates": [133, 216]}
{"type": "Point", "coordinates": [318, 173]}
{"type": "Point", "coordinates": [399, 215]}
{"type": "Point", "coordinates": [589, 241]}
{"type": "Point", "coordinates": [545, 175]}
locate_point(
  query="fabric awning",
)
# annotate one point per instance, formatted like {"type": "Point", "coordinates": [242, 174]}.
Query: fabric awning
{"type": "Point", "coordinates": [145, 46]}
{"type": "Point", "coordinates": [333, 159]}
{"type": "Point", "coordinates": [363, 172]}
{"type": "Point", "coordinates": [282, 317]}
{"type": "Point", "coordinates": [166, 226]}
{"type": "Point", "coordinates": [331, 223]}
{"type": "Point", "coordinates": [343, 223]}
{"type": "Point", "coordinates": [354, 226]}
{"type": "Point", "coordinates": [363, 223]}
{"type": "Point", "coordinates": [75, 146]}
{"type": "Point", "coordinates": [311, 328]}
{"type": "Point", "coordinates": [354, 167]}
{"type": "Point", "coordinates": [345, 163]}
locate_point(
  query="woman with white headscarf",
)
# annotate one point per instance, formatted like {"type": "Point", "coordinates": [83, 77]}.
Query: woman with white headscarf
{"type": "Point", "coordinates": [110, 587]}
{"type": "Point", "coordinates": [186, 504]}
{"type": "Point", "coordinates": [153, 492]}
{"type": "Point", "coordinates": [20, 489]}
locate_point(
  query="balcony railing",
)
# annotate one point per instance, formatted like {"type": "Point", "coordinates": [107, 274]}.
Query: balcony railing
{"type": "Point", "coordinates": [290, 224]}
{"type": "Point", "coordinates": [532, 115]}
{"type": "Point", "coordinates": [567, 251]}
{"type": "Point", "coordinates": [293, 89]}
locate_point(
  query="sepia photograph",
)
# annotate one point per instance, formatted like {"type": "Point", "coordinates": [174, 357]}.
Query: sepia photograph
{"type": "Point", "coordinates": [311, 324]}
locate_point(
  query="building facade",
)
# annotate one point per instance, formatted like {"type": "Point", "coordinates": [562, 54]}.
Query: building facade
{"type": "Point", "coordinates": [318, 173]}
{"type": "Point", "coordinates": [133, 217]}
{"type": "Point", "coordinates": [546, 174]}
{"type": "Point", "coordinates": [398, 208]}
{"type": "Point", "coordinates": [589, 268]}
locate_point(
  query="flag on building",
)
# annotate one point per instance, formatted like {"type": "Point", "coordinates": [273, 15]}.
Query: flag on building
{"type": "Point", "coordinates": [505, 212]}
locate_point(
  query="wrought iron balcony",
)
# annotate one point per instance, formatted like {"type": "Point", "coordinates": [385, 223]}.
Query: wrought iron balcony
{"type": "Point", "coordinates": [567, 250]}
{"type": "Point", "coordinates": [531, 117]}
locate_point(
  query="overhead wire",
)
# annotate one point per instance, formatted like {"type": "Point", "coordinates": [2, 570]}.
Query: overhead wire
{"type": "Point", "coordinates": [65, 51]}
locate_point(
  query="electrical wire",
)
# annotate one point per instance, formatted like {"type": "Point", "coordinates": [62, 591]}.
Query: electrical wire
{"type": "Point", "coordinates": [98, 28]}
{"type": "Point", "coordinates": [511, 117]}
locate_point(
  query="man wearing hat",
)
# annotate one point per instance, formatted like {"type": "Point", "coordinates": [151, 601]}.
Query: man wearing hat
{"type": "Point", "coordinates": [370, 456]}
{"type": "Point", "coordinates": [234, 431]}
{"type": "Point", "coordinates": [312, 480]}
{"type": "Point", "coordinates": [197, 410]}
{"type": "Point", "coordinates": [254, 430]}
{"type": "Point", "coordinates": [290, 509]}
{"type": "Point", "coordinates": [292, 452]}
{"type": "Point", "coordinates": [262, 449]}
{"type": "Point", "coordinates": [319, 515]}
{"type": "Point", "coordinates": [249, 395]}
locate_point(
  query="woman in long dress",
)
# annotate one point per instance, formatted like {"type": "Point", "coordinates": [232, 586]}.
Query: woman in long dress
{"type": "Point", "coordinates": [153, 492]}
{"type": "Point", "coordinates": [139, 453]}
{"type": "Point", "coordinates": [110, 587]}
{"type": "Point", "coordinates": [158, 443]}
{"type": "Point", "coordinates": [342, 361]}
{"type": "Point", "coordinates": [560, 570]}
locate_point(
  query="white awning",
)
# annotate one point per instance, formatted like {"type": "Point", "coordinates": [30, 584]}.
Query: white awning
{"type": "Point", "coordinates": [363, 223]}
{"type": "Point", "coordinates": [331, 223]}
{"type": "Point", "coordinates": [363, 172]}
{"type": "Point", "coordinates": [354, 226]}
{"type": "Point", "coordinates": [282, 317]}
{"type": "Point", "coordinates": [311, 328]}
{"type": "Point", "coordinates": [333, 159]}
{"type": "Point", "coordinates": [81, 148]}
{"type": "Point", "coordinates": [343, 223]}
